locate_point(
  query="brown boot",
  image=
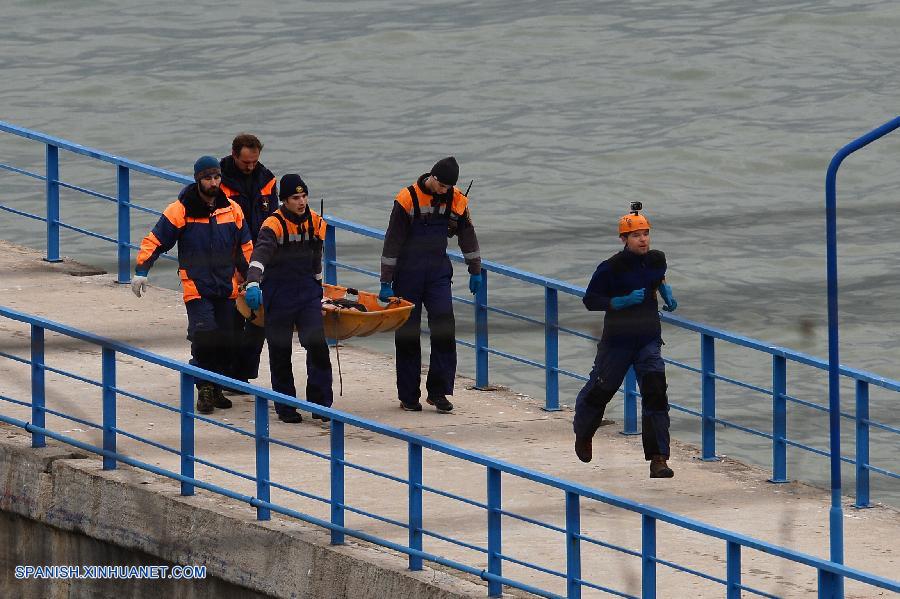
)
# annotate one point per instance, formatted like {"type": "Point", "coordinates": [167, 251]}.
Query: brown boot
{"type": "Point", "coordinates": [583, 448]}
{"type": "Point", "coordinates": [205, 398]}
{"type": "Point", "coordinates": [659, 468]}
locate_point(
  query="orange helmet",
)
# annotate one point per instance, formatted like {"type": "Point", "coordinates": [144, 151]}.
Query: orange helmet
{"type": "Point", "coordinates": [633, 222]}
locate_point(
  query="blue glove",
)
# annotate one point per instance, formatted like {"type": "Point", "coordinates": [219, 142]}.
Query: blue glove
{"type": "Point", "coordinates": [475, 283]}
{"type": "Point", "coordinates": [666, 292]}
{"type": "Point", "coordinates": [253, 296]}
{"type": "Point", "coordinates": [632, 299]}
{"type": "Point", "coordinates": [386, 292]}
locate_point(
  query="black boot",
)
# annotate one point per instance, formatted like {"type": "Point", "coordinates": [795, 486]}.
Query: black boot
{"type": "Point", "coordinates": [219, 399]}
{"type": "Point", "coordinates": [441, 403]}
{"type": "Point", "coordinates": [232, 391]}
{"type": "Point", "coordinates": [206, 398]}
{"type": "Point", "coordinates": [583, 448]}
{"type": "Point", "coordinates": [292, 417]}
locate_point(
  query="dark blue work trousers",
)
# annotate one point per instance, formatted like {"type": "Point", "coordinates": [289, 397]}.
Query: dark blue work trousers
{"type": "Point", "coordinates": [210, 333]}
{"type": "Point", "coordinates": [428, 288]}
{"type": "Point", "coordinates": [299, 306]}
{"type": "Point", "coordinates": [248, 344]}
{"type": "Point", "coordinates": [610, 367]}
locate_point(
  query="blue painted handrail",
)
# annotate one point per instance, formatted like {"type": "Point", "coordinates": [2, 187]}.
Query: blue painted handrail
{"type": "Point", "coordinates": [829, 573]}
{"type": "Point", "coordinates": [834, 363]}
{"type": "Point", "coordinates": [781, 357]}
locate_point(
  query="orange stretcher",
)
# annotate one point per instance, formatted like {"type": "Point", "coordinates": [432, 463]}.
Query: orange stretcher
{"type": "Point", "coordinates": [345, 317]}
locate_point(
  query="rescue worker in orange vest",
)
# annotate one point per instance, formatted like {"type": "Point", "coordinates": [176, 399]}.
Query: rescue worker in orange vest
{"type": "Point", "coordinates": [285, 276]}
{"type": "Point", "coordinates": [248, 182]}
{"type": "Point", "coordinates": [415, 266]}
{"type": "Point", "coordinates": [214, 248]}
{"type": "Point", "coordinates": [625, 286]}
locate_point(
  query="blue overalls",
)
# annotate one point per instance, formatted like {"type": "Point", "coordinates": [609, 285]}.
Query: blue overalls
{"type": "Point", "coordinates": [292, 297]}
{"type": "Point", "coordinates": [631, 337]}
{"type": "Point", "coordinates": [423, 276]}
{"type": "Point", "coordinates": [257, 196]}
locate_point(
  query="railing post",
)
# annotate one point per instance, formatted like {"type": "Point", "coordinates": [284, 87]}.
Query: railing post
{"type": "Point", "coordinates": [261, 427]}
{"type": "Point", "coordinates": [415, 504]}
{"type": "Point", "coordinates": [337, 480]}
{"type": "Point", "coordinates": [38, 389]}
{"type": "Point", "coordinates": [708, 396]}
{"type": "Point", "coordinates": [862, 444]}
{"type": "Point", "coordinates": [330, 255]}
{"type": "Point", "coordinates": [630, 407]}
{"type": "Point", "coordinates": [481, 333]}
{"type": "Point", "coordinates": [648, 557]}
{"type": "Point", "coordinates": [779, 420]}
{"type": "Point", "coordinates": [52, 204]}
{"type": "Point", "coordinates": [124, 217]}
{"type": "Point", "coordinates": [836, 514]}
{"type": "Point", "coordinates": [551, 349]}
{"type": "Point", "coordinates": [494, 544]}
{"type": "Point", "coordinates": [573, 546]}
{"type": "Point", "coordinates": [733, 570]}
{"type": "Point", "coordinates": [830, 585]}
{"type": "Point", "coordinates": [187, 432]}
{"type": "Point", "coordinates": [109, 407]}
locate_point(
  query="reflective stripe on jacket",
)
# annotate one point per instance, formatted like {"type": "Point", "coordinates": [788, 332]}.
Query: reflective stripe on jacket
{"type": "Point", "coordinates": [449, 211]}
{"type": "Point", "coordinates": [292, 253]}
{"type": "Point", "coordinates": [214, 245]}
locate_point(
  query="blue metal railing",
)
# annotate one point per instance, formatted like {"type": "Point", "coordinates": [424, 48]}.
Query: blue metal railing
{"type": "Point", "coordinates": [830, 574]}
{"type": "Point", "coordinates": [708, 336]}
{"type": "Point", "coordinates": [707, 370]}
{"type": "Point", "coordinates": [836, 516]}
{"type": "Point", "coordinates": [708, 376]}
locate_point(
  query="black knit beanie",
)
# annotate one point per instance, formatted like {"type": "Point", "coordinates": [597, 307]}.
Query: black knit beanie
{"type": "Point", "coordinates": [446, 170]}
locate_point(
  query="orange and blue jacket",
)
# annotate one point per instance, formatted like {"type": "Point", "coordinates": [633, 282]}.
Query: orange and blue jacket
{"type": "Point", "coordinates": [415, 202]}
{"type": "Point", "coordinates": [256, 193]}
{"type": "Point", "coordinates": [289, 246]}
{"type": "Point", "coordinates": [214, 245]}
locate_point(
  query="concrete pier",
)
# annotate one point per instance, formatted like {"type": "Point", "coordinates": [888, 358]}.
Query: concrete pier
{"type": "Point", "coordinates": [286, 558]}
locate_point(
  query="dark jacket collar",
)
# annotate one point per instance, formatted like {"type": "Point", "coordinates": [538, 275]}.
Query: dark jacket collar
{"type": "Point", "coordinates": [230, 171]}
{"type": "Point", "coordinates": [195, 207]}
{"type": "Point", "coordinates": [297, 220]}
{"type": "Point", "coordinates": [630, 256]}
{"type": "Point", "coordinates": [438, 199]}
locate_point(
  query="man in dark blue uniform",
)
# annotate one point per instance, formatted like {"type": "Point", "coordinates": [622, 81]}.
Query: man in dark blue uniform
{"type": "Point", "coordinates": [625, 286]}
{"type": "Point", "coordinates": [213, 250]}
{"type": "Point", "coordinates": [289, 251]}
{"type": "Point", "coordinates": [415, 266]}
{"type": "Point", "coordinates": [246, 181]}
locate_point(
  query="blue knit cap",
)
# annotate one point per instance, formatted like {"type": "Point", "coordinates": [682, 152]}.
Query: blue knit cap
{"type": "Point", "coordinates": [205, 163]}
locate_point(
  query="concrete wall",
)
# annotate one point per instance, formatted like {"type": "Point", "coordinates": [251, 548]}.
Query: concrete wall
{"type": "Point", "coordinates": [28, 542]}
{"type": "Point", "coordinates": [60, 508]}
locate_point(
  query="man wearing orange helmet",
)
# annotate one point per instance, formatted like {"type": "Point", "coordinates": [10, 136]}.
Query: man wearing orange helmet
{"type": "Point", "coordinates": [625, 287]}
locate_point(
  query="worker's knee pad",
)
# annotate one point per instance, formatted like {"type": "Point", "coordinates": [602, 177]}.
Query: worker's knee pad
{"type": "Point", "coordinates": [205, 340]}
{"type": "Point", "coordinates": [443, 332]}
{"type": "Point", "coordinates": [318, 355]}
{"type": "Point", "coordinates": [653, 392]}
{"type": "Point", "coordinates": [407, 341]}
{"type": "Point", "coordinates": [599, 397]}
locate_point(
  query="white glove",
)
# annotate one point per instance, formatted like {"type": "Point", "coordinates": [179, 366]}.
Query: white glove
{"type": "Point", "coordinates": [139, 284]}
